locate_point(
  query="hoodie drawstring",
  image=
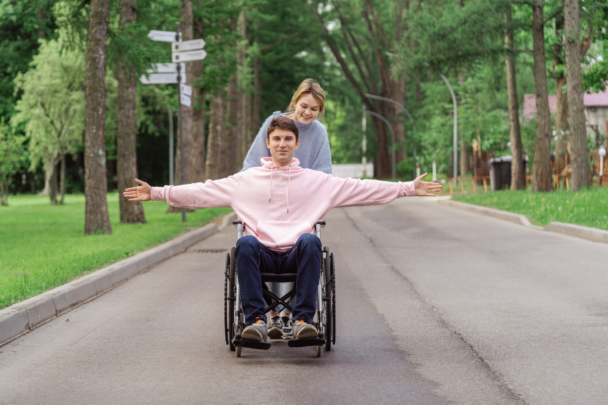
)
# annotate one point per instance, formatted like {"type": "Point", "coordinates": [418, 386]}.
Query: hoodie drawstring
{"type": "Point", "coordinates": [288, 180]}
{"type": "Point", "coordinates": [270, 191]}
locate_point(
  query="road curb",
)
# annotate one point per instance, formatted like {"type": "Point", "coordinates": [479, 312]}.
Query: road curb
{"type": "Point", "coordinates": [491, 212]}
{"type": "Point", "coordinates": [578, 231]}
{"type": "Point", "coordinates": [24, 316]}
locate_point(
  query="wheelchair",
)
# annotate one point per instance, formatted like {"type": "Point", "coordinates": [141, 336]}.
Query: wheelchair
{"type": "Point", "coordinates": [325, 316]}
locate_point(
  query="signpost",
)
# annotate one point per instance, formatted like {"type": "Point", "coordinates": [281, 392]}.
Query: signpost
{"type": "Point", "coordinates": [189, 56]}
{"type": "Point", "coordinates": [188, 45]}
{"type": "Point", "coordinates": [184, 52]}
{"type": "Point", "coordinates": [161, 78]}
{"type": "Point", "coordinates": [169, 73]}
{"type": "Point", "coordinates": [162, 73]}
{"type": "Point", "coordinates": [163, 36]}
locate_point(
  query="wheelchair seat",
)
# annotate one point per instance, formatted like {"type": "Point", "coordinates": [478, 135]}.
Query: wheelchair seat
{"type": "Point", "coordinates": [279, 278]}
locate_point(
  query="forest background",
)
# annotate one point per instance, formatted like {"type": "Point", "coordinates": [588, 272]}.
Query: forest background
{"type": "Point", "coordinates": [258, 53]}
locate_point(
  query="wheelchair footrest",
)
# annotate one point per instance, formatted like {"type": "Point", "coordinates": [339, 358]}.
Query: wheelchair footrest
{"type": "Point", "coordinates": [318, 341]}
{"type": "Point", "coordinates": [252, 344]}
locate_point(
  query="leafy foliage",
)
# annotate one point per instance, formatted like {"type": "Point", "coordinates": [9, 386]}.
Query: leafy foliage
{"type": "Point", "coordinates": [12, 157]}
{"type": "Point", "coordinates": [52, 105]}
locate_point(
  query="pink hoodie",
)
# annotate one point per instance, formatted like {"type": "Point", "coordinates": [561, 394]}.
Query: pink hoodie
{"type": "Point", "coordinates": [278, 204]}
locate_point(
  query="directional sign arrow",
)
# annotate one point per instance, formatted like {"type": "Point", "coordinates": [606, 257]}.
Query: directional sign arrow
{"type": "Point", "coordinates": [185, 89]}
{"type": "Point", "coordinates": [188, 56]}
{"type": "Point", "coordinates": [185, 100]}
{"type": "Point", "coordinates": [163, 36]}
{"type": "Point", "coordinates": [166, 68]}
{"type": "Point", "coordinates": [188, 45]}
{"type": "Point", "coordinates": [161, 78]}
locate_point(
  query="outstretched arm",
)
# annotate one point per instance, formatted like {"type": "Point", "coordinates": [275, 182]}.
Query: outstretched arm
{"type": "Point", "coordinates": [212, 193]}
{"type": "Point", "coordinates": [141, 193]}
{"type": "Point", "coordinates": [347, 192]}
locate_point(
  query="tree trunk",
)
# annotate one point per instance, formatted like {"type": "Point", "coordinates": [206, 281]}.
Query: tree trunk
{"type": "Point", "coordinates": [243, 114]}
{"type": "Point", "coordinates": [185, 13]}
{"type": "Point", "coordinates": [3, 191]}
{"type": "Point", "coordinates": [126, 128]}
{"type": "Point", "coordinates": [216, 126]}
{"type": "Point", "coordinates": [561, 119]}
{"type": "Point", "coordinates": [581, 176]}
{"type": "Point", "coordinates": [518, 172]}
{"type": "Point", "coordinates": [384, 156]}
{"type": "Point", "coordinates": [95, 187]}
{"type": "Point", "coordinates": [541, 174]}
{"type": "Point", "coordinates": [256, 119]}
{"type": "Point", "coordinates": [398, 87]}
{"type": "Point", "coordinates": [228, 145]}
{"type": "Point", "coordinates": [397, 119]}
{"type": "Point", "coordinates": [62, 179]}
{"type": "Point", "coordinates": [53, 188]}
{"type": "Point", "coordinates": [198, 113]}
{"type": "Point", "coordinates": [464, 158]}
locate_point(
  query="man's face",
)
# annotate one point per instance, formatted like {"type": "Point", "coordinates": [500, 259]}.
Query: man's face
{"type": "Point", "coordinates": [282, 145]}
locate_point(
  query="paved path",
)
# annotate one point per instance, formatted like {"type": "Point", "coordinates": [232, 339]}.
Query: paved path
{"type": "Point", "coordinates": [488, 313]}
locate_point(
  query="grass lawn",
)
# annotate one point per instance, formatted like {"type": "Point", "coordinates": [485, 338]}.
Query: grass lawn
{"type": "Point", "coordinates": [587, 208]}
{"type": "Point", "coordinates": [43, 246]}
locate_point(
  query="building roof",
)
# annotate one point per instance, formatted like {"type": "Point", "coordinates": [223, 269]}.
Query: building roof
{"type": "Point", "coordinates": [589, 100]}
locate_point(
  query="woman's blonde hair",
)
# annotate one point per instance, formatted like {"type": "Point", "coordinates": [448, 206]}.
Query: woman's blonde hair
{"type": "Point", "coordinates": [309, 86]}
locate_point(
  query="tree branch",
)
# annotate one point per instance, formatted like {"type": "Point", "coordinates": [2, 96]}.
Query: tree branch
{"type": "Point", "coordinates": [379, 58]}
{"type": "Point", "coordinates": [356, 61]}
{"type": "Point", "coordinates": [373, 13]}
{"type": "Point", "coordinates": [338, 56]}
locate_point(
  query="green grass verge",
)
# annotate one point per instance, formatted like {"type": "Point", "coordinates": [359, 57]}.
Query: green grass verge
{"type": "Point", "coordinates": [587, 208]}
{"type": "Point", "coordinates": [43, 246]}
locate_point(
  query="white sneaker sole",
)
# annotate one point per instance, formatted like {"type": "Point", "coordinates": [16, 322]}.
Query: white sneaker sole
{"type": "Point", "coordinates": [252, 334]}
{"type": "Point", "coordinates": [308, 331]}
{"type": "Point", "coordinates": [275, 333]}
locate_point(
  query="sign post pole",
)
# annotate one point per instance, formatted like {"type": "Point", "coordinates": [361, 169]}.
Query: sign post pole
{"type": "Point", "coordinates": [171, 153]}
{"type": "Point", "coordinates": [181, 139]}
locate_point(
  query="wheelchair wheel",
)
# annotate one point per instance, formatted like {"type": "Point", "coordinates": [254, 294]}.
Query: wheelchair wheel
{"type": "Point", "coordinates": [332, 268]}
{"type": "Point", "coordinates": [229, 298]}
{"type": "Point", "coordinates": [327, 301]}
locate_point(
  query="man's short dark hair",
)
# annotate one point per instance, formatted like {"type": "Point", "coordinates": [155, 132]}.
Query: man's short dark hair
{"type": "Point", "coordinates": [283, 123]}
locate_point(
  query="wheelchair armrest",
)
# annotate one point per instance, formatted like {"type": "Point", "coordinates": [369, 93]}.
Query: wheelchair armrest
{"type": "Point", "coordinates": [322, 223]}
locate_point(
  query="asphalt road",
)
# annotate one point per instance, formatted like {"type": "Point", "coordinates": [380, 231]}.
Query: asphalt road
{"type": "Point", "coordinates": [435, 306]}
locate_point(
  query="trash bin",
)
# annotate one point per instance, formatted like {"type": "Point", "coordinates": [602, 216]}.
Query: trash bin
{"type": "Point", "coordinates": [500, 172]}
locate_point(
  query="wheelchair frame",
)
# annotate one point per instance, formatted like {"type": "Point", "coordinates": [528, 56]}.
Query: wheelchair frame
{"type": "Point", "coordinates": [325, 316]}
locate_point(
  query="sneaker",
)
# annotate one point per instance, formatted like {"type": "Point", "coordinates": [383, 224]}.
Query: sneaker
{"type": "Point", "coordinates": [302, 330]}
{"type": "Point", "coordinates": [256, 331]}
{"type": "Point", "coordinates": [287, 327]}
{"type": "Point", "coordinates": [275, 327]}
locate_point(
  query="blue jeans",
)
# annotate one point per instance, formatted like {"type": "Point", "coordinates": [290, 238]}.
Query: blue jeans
{"type": "Point", "coordinates": [304, 258]}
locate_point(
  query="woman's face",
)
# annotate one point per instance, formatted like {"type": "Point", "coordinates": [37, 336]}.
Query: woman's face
{"type": "Point", "coordinates": [307, 109]}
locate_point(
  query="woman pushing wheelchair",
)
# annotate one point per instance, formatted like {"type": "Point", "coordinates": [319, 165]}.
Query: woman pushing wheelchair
{"type": "Point", "coordinates": [280, 203]}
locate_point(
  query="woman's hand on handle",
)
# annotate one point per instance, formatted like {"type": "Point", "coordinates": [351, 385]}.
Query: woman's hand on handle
{"type": "Point", "coordinates": [426, 189]}
{"type": "Point", "coordinates": [142, 193]}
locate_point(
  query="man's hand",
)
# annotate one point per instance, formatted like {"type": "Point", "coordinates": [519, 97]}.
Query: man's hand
{"type": "Point", "coordinates": [424, 189]}
{"type": "Point", "coordinates": [144, 193]}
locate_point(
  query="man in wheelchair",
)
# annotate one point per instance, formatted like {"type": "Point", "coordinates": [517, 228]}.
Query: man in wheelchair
{"type": "Point", "coordinates": [279, 203]}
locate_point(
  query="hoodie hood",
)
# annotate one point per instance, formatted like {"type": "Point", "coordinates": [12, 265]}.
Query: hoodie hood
{"type": "Point", "coordinates": [266, 163]}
